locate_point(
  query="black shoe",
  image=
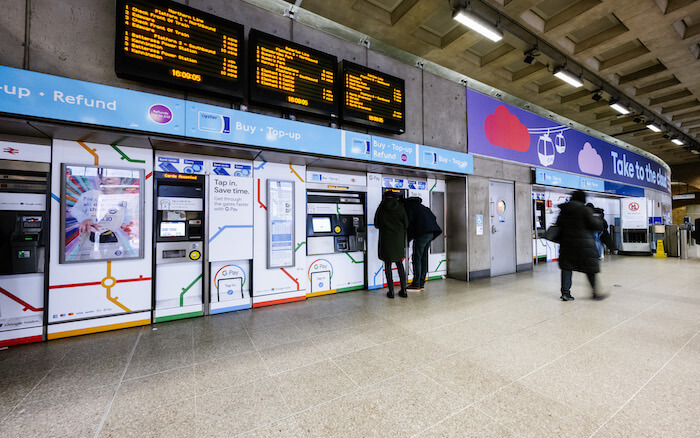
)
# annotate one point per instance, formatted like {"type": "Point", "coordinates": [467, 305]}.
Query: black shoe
{"type": "Point", "coordinates": [566, 296]}
{"type": "Point", "coordinates": [598, 297]}
{"type": "Point", "coordinates": [390, 294]}
{"type": "Point", "coordinates": [403, 294]}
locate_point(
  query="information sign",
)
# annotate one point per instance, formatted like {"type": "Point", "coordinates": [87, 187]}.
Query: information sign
{"type": "Point", "coordinates": [177, 45]}
{"type": "Point", "coordinates": [289, 75]}
{"type": "Point", "coordinates": [372, 98]}
{"type": "Point", "coordinates": [280, 225]}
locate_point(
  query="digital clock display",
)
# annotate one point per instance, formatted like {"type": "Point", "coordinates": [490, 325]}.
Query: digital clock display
{"type": "Point", "coordinates": [292, 76]}
{"type": "Point", "coordinates": [372, 98]}
{"type": "Point", "coordinates": [170, 43]}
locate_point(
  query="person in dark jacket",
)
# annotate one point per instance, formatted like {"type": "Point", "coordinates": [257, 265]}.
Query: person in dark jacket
{"type": "Point", "coordinates": [422, 229]}
{"type": "Point", "coordinates": [392, 223]}
{"type": "Point", "coordinates": [577, 250]}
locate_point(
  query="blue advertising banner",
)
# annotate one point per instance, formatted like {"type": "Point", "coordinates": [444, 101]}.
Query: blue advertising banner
{"type": "Point", "coordinates": [499, 130]}
{"type": "Point", "coordinates": [390, 151]}
{"type": "Point", "coordinates": [228, 125]}
{"type": "Point", "coordinates": [40, 95]}
{"type": "Point", "coordinates": [445, 160]}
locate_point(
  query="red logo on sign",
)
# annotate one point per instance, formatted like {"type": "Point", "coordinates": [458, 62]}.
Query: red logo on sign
{"type": "Point", "coordinates": [633, 206]}
{"type": "Point", "coordinates": [11, 150]}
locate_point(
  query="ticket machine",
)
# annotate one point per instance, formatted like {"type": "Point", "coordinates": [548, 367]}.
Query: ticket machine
{"type": "Point", "coordinates": [336, 234]}
{"type": "Point", "coordinates": [179, 245]}
{"type": "Point", "coordinates": [23, 261]}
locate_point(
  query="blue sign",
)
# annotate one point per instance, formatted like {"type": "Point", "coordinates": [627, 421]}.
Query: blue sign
{"type": "Point", "coordinates": [558, 179]}
{"type": "Point", "coordinates": [231, 126]}
{"type": "Point", "coordinates": [591, 184]}
{"type": "Point", "coordinates": [445, 160]}
{"type": "Point", "coordinates": [40, 95]}
{"type": "Point", "coordinates": [499, 130]}
{"type": "Point", "coordinates": [390, 151]}
{"type": "Point", "coordinates": [623, 190]}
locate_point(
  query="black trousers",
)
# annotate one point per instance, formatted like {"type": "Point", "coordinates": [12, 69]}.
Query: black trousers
{"type": "Point", "coordinates": [566, 280]}
{"type": "Point", "coordinates": [421, 244]}
{"type": "Point", "coordinates": [390, 276]}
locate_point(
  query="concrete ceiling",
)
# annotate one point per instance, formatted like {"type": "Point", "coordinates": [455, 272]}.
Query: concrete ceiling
{"type": "Point", "coordinates": [647, 49]}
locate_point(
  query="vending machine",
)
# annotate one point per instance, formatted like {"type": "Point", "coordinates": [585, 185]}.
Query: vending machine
{"type": "Point", "coordinates": [179, 245]}
{"type": "Point", "coordinates": [336, 231]}
{"type": "Point", "coordinates": [23, 239]}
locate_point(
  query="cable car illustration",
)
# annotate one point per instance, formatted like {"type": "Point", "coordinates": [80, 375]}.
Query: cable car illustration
{"type": "Point", "coordinates": [560, 143]}
{"type": "Point", "coordinates": [545, 150]}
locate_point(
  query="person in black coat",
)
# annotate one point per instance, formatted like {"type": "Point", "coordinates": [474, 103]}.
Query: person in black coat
{"type": "Point", "coordinates": [422, 229]}
{"type": "Point", "coordinates": [392, 223]}
{"type": "Point", "coordinates": [577, 250]}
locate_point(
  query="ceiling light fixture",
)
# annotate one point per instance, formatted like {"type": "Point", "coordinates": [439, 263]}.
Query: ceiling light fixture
{"type": "Point", "coordinates": [619, 108]}
{"type": "Point", "coordinates": [677, 141]}
{"type": "Point", "coordinates": [568, 77]}
{"type": "Point", "coordinates": [653, 127]}
{"type": "Point", "coordinates": [478, 24]}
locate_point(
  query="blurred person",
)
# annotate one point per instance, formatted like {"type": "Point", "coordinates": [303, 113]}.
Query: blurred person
{"type": "Point", "coordinates": [422, 229]}
{"type": "Point", "coordinates": [392, 222]}
{"type": "Point", "coordinates": [577, 250]}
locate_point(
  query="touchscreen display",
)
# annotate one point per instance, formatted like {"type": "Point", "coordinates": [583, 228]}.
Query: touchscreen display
{"type": "Point", "coordinates": [321, 224]}
{"type": "Point", "coordinates": [172, 229]}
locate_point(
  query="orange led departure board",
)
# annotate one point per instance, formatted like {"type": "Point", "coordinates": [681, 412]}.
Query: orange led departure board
{"type": "Point", "coordinates": [372, 98]}
{"type": "Point", "coordinates": [166, 42]}
{"type": "Point", "coordinates": [289, 75]}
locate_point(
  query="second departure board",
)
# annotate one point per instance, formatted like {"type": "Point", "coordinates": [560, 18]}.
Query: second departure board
{"type": "Point", "coordinates": [292, 76]}
{"type": "Point", "coordinates": [166, 42]}
{"type": "Point", "coordinates": [372, 98]}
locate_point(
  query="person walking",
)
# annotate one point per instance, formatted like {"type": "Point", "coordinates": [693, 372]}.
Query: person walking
{"type": "Point", "coordinates": [577, 250]}
{"type": "Point", "coordinates": [422, 229]}
{"type": "Point", "coordinates": [392, 222]}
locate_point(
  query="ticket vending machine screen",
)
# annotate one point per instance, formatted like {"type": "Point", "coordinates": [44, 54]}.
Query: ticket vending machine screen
{"type": "Point", "coordinates": [172, 229]}
{"type": "Point", "coordinates": [321, 224]}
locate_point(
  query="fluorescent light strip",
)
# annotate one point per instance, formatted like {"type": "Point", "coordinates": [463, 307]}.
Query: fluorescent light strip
{"type": "Point", "coordinates": [619, 108]}
{"type": "Point", "coordinates": [478, 24]}
{"type": "Point", "coordinates": [568, 77]}
{"type": "Point", "coordinates": [653, 127]}
{"type": "Point", "coordinates": [677, 141]}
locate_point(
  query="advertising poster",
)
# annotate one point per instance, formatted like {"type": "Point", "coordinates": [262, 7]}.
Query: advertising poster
{"type": "Point", "coordinates": [230, 218]}
{"type": "Point", "coordinates": [101, 212]}
{"type": "Point", "coordinates": [280, 213]}
{"type": "Point", "coordinates": [499, 130]}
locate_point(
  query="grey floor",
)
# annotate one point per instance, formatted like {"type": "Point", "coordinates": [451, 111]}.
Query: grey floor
{"type": "Point", "coordinates": [497, 357]}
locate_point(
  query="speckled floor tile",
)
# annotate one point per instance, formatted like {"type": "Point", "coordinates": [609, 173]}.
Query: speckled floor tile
{"type": "Point", "coordinates": [228, 371]}
{"type": "Point", "coordinates": [267, 337]}
{"type": "Point", "coordinates": [313, 384]}
{"type": "Point", "coordinates": [239, 408]}
{"type": "Point", "coordinates": [165, 420]}
{"type": "Point", "coordinates": [470, 422]}
{"type": "Point", "coordinates": [76, 414]}
{"type": "Point", "coordinates": [292, 355]}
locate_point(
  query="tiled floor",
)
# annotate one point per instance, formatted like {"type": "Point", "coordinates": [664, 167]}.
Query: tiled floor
{"type": "Point", "coordinates": [497, 357]}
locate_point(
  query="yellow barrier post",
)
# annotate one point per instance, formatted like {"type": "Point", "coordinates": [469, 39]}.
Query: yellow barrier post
{"type": "Point", "coordinates": [660, 252]}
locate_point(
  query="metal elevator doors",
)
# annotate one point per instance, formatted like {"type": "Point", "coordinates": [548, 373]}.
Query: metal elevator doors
{"type": "Point", "coordinates": [502, 212]}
